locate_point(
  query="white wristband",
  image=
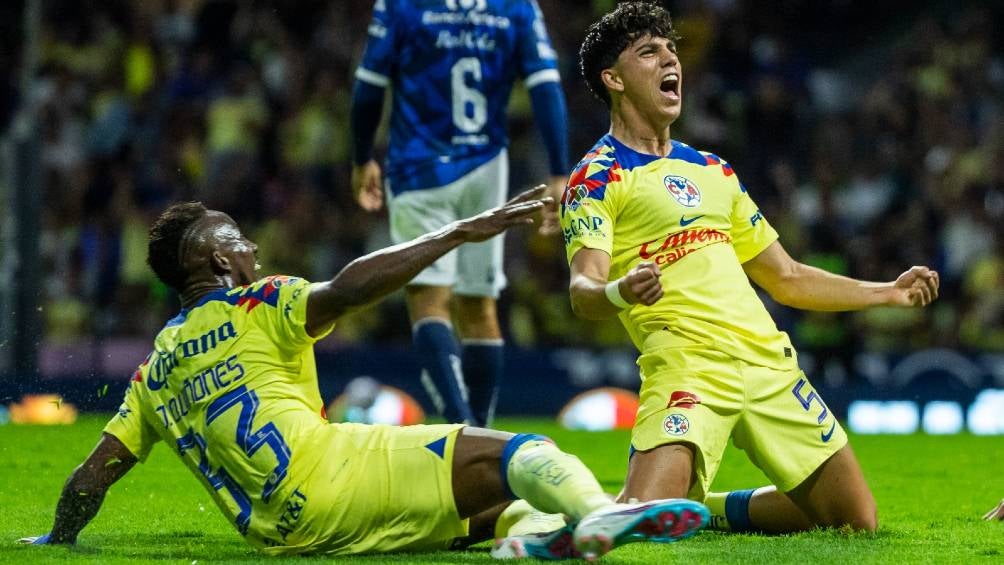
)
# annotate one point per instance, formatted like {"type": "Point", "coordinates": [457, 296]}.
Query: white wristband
{"type": "Point", "coordinates": [613, 292]}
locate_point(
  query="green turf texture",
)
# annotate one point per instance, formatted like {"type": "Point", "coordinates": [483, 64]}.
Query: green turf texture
{"type": "Point", "coordinates": [931, 493]}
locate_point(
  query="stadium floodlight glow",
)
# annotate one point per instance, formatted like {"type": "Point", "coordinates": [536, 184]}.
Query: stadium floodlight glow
{"type": "Point", "coordinates": [942, 417]}
{"type": "Point", "coordinates": [986, 413]}
{"type": "Point", "coordinates": [901, 417]}
{"type": "Point", "coordinates": [877, 417]}
{"type": "Point", "coordinates": [864, 416]}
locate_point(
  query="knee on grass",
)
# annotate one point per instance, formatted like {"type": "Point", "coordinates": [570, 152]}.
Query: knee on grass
{"type": "Point", "coordinates": [859, 519]}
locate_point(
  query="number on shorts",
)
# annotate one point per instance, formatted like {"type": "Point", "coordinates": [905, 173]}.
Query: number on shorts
{"type": "Point", "coordinates": [806, 401]}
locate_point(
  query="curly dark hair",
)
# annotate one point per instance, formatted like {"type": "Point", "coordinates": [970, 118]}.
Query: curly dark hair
{"type": "Point", "coordinates": [608, 37]}
{"type": "Point", "coordinates": [166, 234]}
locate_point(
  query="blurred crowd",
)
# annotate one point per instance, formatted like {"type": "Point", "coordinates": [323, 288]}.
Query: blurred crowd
{"type": "Point", "coordinates": [871, 137]}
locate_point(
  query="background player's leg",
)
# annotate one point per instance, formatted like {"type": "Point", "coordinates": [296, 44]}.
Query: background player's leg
{"type": "Point", "coordinates": [480, 278]}
{"type": "Point", "coordinates": [438, 352]}
{"type": "Point", "coordinates": [481, 353]}
{"type": "Point", "coordinates": [664, 472]}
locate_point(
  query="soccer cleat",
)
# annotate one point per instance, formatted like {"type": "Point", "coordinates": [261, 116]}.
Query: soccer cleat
{"type": "Point", "coordinates": [660, 521]}
{"type": "Point", "coordinates": [552, 545]}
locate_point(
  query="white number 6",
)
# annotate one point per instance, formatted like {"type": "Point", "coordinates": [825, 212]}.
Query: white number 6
{"type": "Point", "coordinates": [464, 95]}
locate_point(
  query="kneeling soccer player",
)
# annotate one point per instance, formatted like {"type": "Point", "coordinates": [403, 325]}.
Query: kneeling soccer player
{"type": "Point", "coordinates": [667, 238]}
{"type": "Point", "coordinates": [231, 385]}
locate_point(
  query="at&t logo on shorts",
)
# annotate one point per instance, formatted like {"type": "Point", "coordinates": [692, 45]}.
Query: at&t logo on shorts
{"type": "Point", "coordinates": [676, 425]}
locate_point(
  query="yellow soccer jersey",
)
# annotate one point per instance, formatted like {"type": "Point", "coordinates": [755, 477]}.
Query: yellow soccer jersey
{"type": "Point", "coordinates": [231, 386]}
{"type": "Point", "coordinates": [688, 213]}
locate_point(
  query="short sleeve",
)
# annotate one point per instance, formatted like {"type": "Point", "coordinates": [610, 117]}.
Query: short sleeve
{"type": "Point", "coordinates": [377, 66]}
{"type": "Point", "coordinates": [129, 425]}
{"type": "Point", "coordinates": [284, 317]}
{"type": "Point", "coordinates": [588, 213]}
{"type": "Point", "coordinates": [538, 61]}
{"type": "Point", "coordinates": [751, 232]}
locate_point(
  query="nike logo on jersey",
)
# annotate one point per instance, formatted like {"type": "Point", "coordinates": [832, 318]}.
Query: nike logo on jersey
{"type": "Point", "coordinates": [684, 222]}
{"type": "Point", "coordinates": [826, 437]}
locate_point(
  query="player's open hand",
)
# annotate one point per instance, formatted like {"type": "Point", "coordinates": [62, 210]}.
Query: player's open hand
{"type": "Point", "coordinates": [535, 193]}
{"type": "Point", "coordinates": [916, 287]}
{"type": "Point", "coordinates": [519, 210]}
{"type": "Point", "coordinates": [996, 513]}
{"type": "Point", "coordinates": [642, 284]}
{"type": "Point", "coordinates": [549, 223]}
{"type": "Point", "coordinates": [367, 185]}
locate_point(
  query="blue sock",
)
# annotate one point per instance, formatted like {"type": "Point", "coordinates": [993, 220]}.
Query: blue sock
{"type": "Point", "coordinates": [482, 362]}
{"type": "Point", "coordinates": [442, 374]}
{"type": "Point", "coordinates": [737, 510]}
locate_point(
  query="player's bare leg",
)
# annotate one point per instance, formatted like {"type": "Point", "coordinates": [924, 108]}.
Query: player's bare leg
{"type": "Point", "coordinates": [664, 472]}
{"type": "Point", "coordinates": [836, 494]}
{"type": "Point", "coordinates": [482, 348]}
{"type": "Point", "coordinates": [477, 317]}
{"type": "Point", "coordinates": [667, 472]}
{"type": "Point", "coordinates": [425, 301]}
{"type": "Point", "coordinates": [477, 483]}
{"type": "Point", "coordinates": [773, 512]}
{"type": "Point", "coordinates": [438, 351]}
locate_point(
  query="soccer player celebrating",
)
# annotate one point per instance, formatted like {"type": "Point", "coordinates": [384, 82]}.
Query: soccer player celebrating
{"type": "Point", "coordinates": [452, 64]}
{"type": "Point", "coordinates": [667, 238]}
{"type": "Point", "coordinates": [231, 386]}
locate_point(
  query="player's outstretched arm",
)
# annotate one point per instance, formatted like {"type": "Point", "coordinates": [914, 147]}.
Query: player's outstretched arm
{"type": "Point", "coordinates": [595, 298]}
{"type": "Point", "coordinates": [373, 276]}
{"type": "Point", "coordinates": [800, 286]}
{"type": "Point", "coordinates": [85, 490]}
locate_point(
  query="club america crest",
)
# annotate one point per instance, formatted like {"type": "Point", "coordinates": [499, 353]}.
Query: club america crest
{"type": "Point", "coordinates": [676, 425]}
{"type": "Point", "coordinates": [683, 190]}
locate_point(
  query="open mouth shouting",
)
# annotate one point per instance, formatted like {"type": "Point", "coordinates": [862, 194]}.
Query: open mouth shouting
{"type": "Point", "coordinates": [670, 85]}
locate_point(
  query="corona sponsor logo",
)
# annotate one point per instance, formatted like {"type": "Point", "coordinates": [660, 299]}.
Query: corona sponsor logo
{"type": "Point", "coordinates": [164, 362]}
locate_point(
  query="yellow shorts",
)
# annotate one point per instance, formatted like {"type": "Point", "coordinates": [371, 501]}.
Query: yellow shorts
{"type": "Point", "coordinates": [703, 397]}
{"type": "Point", "coordinates": [380, 489]}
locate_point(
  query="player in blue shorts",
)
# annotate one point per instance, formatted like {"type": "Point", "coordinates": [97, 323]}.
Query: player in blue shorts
{"type": "Point", "coordinates": [231, 387]}
{"type": "Point", "coordinates": [451, 65]}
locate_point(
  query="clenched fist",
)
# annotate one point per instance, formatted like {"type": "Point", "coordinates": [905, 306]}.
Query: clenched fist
{"type": "Point", "coordinates": [916, 287]}
{"type": "Point", "coordinates": [642, 284]}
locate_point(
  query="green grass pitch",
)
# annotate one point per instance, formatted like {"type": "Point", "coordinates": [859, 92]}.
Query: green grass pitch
{"type": "Point", "coordinates": [931, 493]}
